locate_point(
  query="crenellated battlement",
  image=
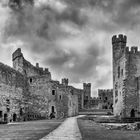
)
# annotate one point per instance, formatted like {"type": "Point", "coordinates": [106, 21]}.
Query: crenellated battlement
{"type": "Point", "coordinates": [43, 71]}
{"type": "Point", "coordinates": [86, 84]}
{"type": "Point", "coordinates": [133, 50]}
{"type": "Point", "coordinates": [65, 81]}
{"type": "Point", "coordinates": [120, 38]}
{"type": "Point", "coordinates": [105, 90]}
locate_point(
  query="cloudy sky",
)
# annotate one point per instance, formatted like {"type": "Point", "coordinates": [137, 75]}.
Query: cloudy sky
{"type": "Point", "coordinates": [70, 37]}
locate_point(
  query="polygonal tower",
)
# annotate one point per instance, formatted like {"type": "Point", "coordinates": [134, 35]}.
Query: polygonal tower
{"type": "Point", "coordinates": [87, 93]}
{"type": "Point", "coordinates": [126, 75]}
{"type": "Point", "coordinates": [18, 59]}
{"type": "Point", "coordinates": [65, 81]}
{"type": "Point", "coordinates": [119, 57]}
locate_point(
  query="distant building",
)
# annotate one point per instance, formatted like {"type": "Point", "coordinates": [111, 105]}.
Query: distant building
{"type": "Point", "coordinates": [94, 102]}
{"type": "Point", "coordinates": [28, 92]}
{"type": "Point", "coordinates": [105, 98]}
{"type": "Point", "coordinates": [126, 78]}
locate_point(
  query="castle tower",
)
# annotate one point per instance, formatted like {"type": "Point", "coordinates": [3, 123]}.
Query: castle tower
{"type": "Point", "coordinates": [65, 81]}
{"type": "Point", "coordinates": [87, 93]}
{"type": "Point", "coordinates": [119, 66]}
{"type": "Point", "coordinates": [119, 45]}
{"type": "Point", "coordinates": [126, 71]}
{"type": "Point", "coordinates": [18, 59]}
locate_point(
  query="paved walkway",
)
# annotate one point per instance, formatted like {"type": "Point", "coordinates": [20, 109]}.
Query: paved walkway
{"type": "Point", "coordinates": [68, 130]}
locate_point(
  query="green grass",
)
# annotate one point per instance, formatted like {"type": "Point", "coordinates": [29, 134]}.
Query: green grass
{"type": "Point", "coordinates": [94, 131]}
{"type": "Point", "coordinates": [32, 130]}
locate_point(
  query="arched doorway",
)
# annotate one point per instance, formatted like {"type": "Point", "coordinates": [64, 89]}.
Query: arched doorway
{"type": "Point", "coordinates": [52, 109]}
{"type": "Point", "coordinates": [52, 115]}
{"type": "Point", "coordinates": [5, 117]}
{"type": "Point", "coordinates": [14, 117]}
{"type": "Point", "coordinates": [132, 113]}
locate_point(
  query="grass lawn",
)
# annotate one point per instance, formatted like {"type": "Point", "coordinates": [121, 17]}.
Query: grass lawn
{"type": "Point", "coordinates": [32, 130]}
{"type": "Point", "coordinates": [93, 131]}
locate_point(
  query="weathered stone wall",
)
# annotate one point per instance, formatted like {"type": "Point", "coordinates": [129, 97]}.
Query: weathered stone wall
{"type": "Point", "coordinates": [87, 94]}
{"type": "Point", "coordinates": [132, 72]}
{"type": "Point", "coordinates": [11, 91]}
{"type": "Point", "coordinates": [75, 91]}
{"type": "Point", "coordinates": [73, 99]}
{"type": "Point", "coordinates": [94, 103]}
{"type": "Point", "coordinates": [105, 99]}
{"type": "Point", "coordinates": [119, 63]}
{"type": "Point", "coordinates": [119, 89]}
{"type": "Point", "coordinates": [26, 68]}
{"type": "Point", "coordinates": [126, 69]}
{"type": "Point", "coordinates": [55, 95]}
{"type": "Point", "coordinates": [27, 92]}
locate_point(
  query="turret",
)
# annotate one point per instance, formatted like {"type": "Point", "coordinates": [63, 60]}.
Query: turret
{"type": "Point", "coordinates": [134, 49]}
{"type": "Point", "coordinates": [65, 81]}
{"type": "Point", "coordinates": [87, 89]}
{"type": "Point", "coordinates": [18, 58]}
{"type": "Point", "coordinates": [87, 94]}
{"type": "Point", "coordinates": [119, 45]}
{"type": "Point", "coordinates": [119, 40]}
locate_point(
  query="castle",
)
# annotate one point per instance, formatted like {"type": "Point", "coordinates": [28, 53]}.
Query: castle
{"type": "Point", "coordinates": [126, 78]}
{"type": "Point", "coordinates": [28, 92]}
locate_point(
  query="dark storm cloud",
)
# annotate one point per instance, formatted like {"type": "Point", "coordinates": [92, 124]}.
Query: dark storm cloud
{"type": "Point", "coordinates": [60, 57]}
{"type": "Point", "coordinates": [23, 21]}
{"type": "Point", "coordinates": [120, 14]}
{"type": "Point", "coordinates": [75, 66]}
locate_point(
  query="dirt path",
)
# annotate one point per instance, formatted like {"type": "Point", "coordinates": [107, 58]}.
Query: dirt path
{"type": "Point", "coordinates": [68, 130]}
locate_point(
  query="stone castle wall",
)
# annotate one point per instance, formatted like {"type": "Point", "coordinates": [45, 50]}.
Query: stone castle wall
{"type": "Point", "coordinates": [87, 94]}
{"type": "Point", "coordinates": [12, 87]}
{"type": "Point", "coordinates": [25, 67]}
{"type": "Point", "coordinates": [27, 92]}
{"type": "Point", "coordinates": [105, 98]}
{"type": "Point", "coordinates": [126, 69]}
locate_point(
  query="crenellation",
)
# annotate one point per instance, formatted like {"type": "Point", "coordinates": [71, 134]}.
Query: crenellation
{"type": "Point", "coordinates": [134, 49]}
{"type": "Point", "coordinates": [105, 90]}
{"type": "Point", "coordinates": [65, 81]}
{"type": "Point", "coordinates": [119, 38]}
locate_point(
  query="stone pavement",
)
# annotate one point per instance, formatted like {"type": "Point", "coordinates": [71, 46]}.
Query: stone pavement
{"type": "Point", "coordinates": [68, 130]}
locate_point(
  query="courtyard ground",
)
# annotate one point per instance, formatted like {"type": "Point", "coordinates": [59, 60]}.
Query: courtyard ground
{"type": "Point", "coordinates": [94, 131]}
{"type": "Point", "coordinates": [32, 130]}
{"type": "Point", "coordinates": [68, 130]}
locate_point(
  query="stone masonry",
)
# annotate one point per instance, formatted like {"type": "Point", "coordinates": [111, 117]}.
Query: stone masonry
{"type": "Point", "coordinates": [105, 98]}
{"type": "Point", "coordinates": [126, 75]}
{"type": "Point", "coordinates": [28, 92]}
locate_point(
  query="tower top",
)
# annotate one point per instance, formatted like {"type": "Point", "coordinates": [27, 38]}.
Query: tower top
{"type": "Point", "coordinates": [65, 81]}
{"type": "Point", "coordinates": [120, 38]}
